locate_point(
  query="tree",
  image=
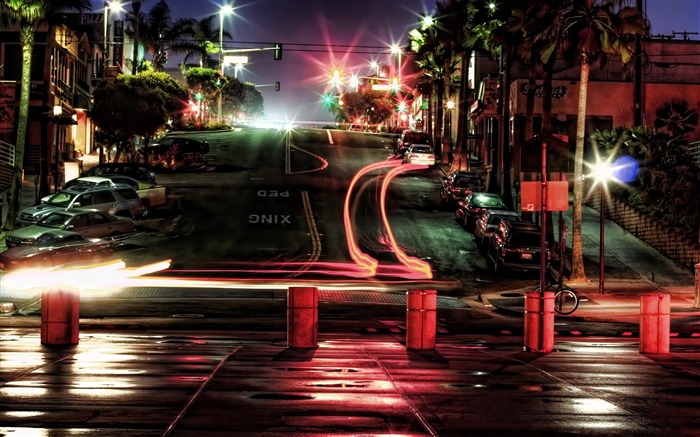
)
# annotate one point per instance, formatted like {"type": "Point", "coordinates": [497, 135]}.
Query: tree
{"type": "Point", "coordinates": [374, 107]}
{"type": "Point", "coordinates": [205, 35]}
{"type": "Point", "coordinates": [29, 14]}
{"type": "Point", "coordinates": [206, 81]}
{"type": "Point", "coordinates": [593, 29]}
{"type": "Point", "coordinates": [136, 20]}
{"type": "Point", "coordinates": [160, 34]}
{"type": "Point", "coordinates": [124, 108]}
{"type": "Point", "coordinates": [433, 55]}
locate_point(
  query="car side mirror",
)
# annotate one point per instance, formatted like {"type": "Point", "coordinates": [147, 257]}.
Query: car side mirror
{"type": "Point", "coordinates": [76, 205]}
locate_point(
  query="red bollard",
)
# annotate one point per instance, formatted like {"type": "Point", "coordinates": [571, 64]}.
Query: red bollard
{"type": "Point", "coordinates": [539, 322]}
{"type": "Point", "coordinates": [696, 302]}
{"type": "Point", "coordinates": [302, 317]}
{"type": "Point", "coordinates": [655, 324]}
{"type": "Point", "coordinates": [421, 319]}
{"type": "Point", "coordinates": [60, 317]}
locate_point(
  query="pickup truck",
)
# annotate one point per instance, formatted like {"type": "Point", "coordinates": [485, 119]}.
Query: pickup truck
{"type": "Point", "coordinates": [152, 196]}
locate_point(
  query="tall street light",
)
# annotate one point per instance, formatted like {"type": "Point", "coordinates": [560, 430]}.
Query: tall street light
{"type": "Point", "coordinates": [603, 172]}
{"type": "Point", "coordinates": [396, 50]}
{"type": "Point", "coordinates": [225, 10]}
{"type": "Point", "coordinates": [109, 6]}
{"type": "Point", "coordinates": [57, 112]}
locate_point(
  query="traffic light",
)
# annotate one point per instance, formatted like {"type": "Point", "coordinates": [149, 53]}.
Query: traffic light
{"type": "Point", "coordinates": [278, 51]}
{"type": "Point", "coordinates": [277, 86]}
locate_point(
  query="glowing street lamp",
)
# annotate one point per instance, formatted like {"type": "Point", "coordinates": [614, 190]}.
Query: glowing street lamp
{"type": "Point", "coordinates": [354, 82]}
{"type": "Point", "coordinates": [603, 173]}
{"type": "Point", "coordinates": [375, 65]}
{"type": "Point", "coordinates": [396, 50]}
{"type": "Point", "coordinates": [225, 10]}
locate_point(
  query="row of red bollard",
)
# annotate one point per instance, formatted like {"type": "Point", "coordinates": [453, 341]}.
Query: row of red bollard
{"type": "Point", "coordinates": [60, 312]}
{"type": "Point", "coordinates": [302, 318]}
{"type": "Point", "coordinates": [654, 325]}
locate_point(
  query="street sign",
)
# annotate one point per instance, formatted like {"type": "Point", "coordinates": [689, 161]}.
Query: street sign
{"type": "Point", "coordinates": [557, 196]}
{"type": "Point", "coordinates": [235, 60]}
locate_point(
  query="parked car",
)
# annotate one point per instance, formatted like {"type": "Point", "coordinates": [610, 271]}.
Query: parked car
{"type": "Point", "coordinates": [516, 246]}
{"type": "Point", "coordinates": [134, 170]}
{"type": "Point", "coordinates": [152, 195]}
{"type": "Point", "coordinates": [89, 223]}
{"type": "Point", "coordinates": [55, 248]}
{"type": "Point", "coordinates": [421, 154]}
{"type": "Point", "coordinates": [121, 200]}
{"type": "Point", "coordinates": [475, 204]}
{"type": "Point", "coordinates": [458, 185]}
{"type": "Point", "coordinates": [488, 222]}
{"type": "Point", "coordinates": [409, 137]}
{"type": "Point", "coordinates": [170, 149]}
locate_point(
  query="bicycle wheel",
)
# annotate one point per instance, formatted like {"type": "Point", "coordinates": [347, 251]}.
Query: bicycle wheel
{"type": "Point", "coordinates": [565, 301]}
{"type": "Point", "coordinates": [184, 226]}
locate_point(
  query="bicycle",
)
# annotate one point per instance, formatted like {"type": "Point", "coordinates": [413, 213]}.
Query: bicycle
{"type": "Point", "coordinates": [565, 298]}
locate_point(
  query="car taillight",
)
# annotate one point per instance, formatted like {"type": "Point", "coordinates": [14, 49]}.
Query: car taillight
{"type": "Point", "coordinates": [414, 156]}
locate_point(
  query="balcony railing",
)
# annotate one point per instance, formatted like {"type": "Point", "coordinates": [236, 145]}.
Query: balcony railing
{"type": "Point", "coordinates": [694, 152]}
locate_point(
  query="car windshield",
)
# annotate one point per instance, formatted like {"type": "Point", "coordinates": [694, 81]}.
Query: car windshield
{"type": "Point", "coordinates": [422, 149]}
{"type": "Point", "coordinates": [62, 199]}
{"type": "Point", "coordinates": [468, 182]}
{"type": "Point", "coordinates": [48, 239]}
{"type": "Point", "coordinates": [54, 220]}
{"type": "Point", "coordinates": [525, 239]}
{"type": "Point", "coordinates": [417, 137]}
{"type": "Point", "coordinates": [488, 201]}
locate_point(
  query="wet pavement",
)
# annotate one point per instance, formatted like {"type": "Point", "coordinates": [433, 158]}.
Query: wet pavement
{"type": "Point", "coordinates": [149, 378]}
{"type": "Point", "coordinates": [250, 383]}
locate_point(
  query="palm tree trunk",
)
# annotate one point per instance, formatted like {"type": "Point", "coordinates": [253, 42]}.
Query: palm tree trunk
{"type": "Point", "coordinates": [463, 108]}
{"type": "Point", "coordinates": [577, 271]}
{"type": "Point", "coordinates": [27, 43]}
{"type": "Point", "coordinates": [440, 90]}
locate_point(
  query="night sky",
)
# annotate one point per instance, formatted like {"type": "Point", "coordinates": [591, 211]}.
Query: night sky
{"type": "Point", "coordinates": [362, 32]}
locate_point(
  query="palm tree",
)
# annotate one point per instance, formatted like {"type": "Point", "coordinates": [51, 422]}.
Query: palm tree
{"type": "Point", "coordinates": [136, 20]}
{"type": "Point", "coordinates": [29, 14]}
{"type": "Point", "coordinates": [204, 36]}
{"type": "Point", "coordinates": [434, 57]}
{"type": "Point", "coordinates": [592, 29]}
{"type": "Point", "coordinates": [161, 34]}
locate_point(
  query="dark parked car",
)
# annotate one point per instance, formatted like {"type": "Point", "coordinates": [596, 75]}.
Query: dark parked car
{"type": "Point", "coordinates": [488, 222]}
{"type": "Point", "coordinates": [169, 150]}
{"type": "Point", "coordinates": [409, 137]}
{"type": "Point", "coordinates": [458, 185]}
{"type": "Point", "coordinates": [136, 171]}
{"type": "Point", "coordinates": [475, 204]}
{"type": "Point", "coordinates": [516, 246]}
{"type": "Point", "coordinates": [55, 248]}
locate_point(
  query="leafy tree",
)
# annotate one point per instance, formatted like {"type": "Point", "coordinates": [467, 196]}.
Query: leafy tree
{"type": "Point", "coordinates": [206, 81]}
{"type": "Point", "coordinates": [124, 108]}
{"type": "Point", "coordinates": [29, 14]}
{"type": "Point", "coordinates": [374, 107]}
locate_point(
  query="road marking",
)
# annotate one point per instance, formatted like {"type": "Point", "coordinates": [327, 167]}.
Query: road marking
{"type": "Point", "coordinates": [330, 137]}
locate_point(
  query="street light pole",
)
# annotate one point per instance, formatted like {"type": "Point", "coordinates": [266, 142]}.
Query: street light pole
{"type": "Point", "coordinates": [57, 112]}
{"type": "Point", "coordinates": [601, 283]}
{"type": "Point", "coordinates": [225, 10]}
